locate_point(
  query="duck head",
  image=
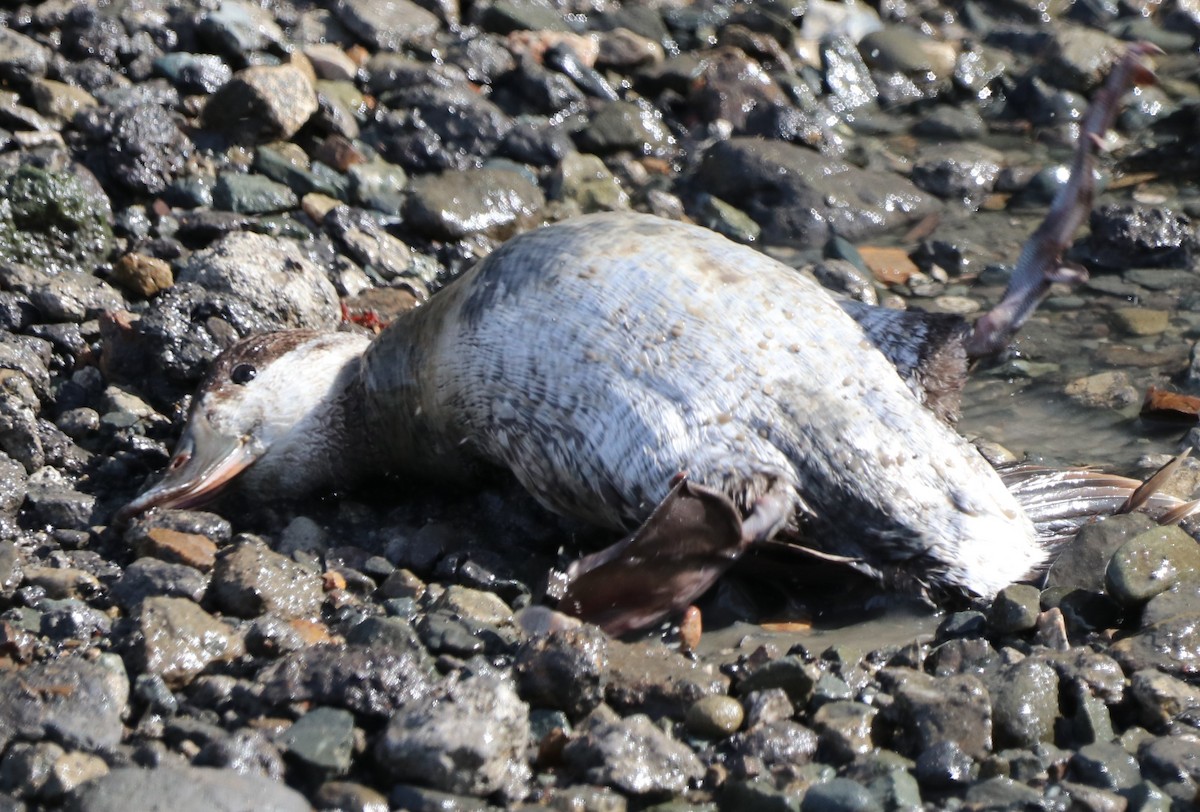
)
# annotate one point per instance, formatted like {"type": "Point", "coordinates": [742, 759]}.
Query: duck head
{"type": "Point", "coordinates": [271, 410]}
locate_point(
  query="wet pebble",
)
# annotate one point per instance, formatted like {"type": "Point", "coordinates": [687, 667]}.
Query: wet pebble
{"type": "Point", "coordinates": [459, 204]}
{"type": "Point", "coordinates": [322, 739]}
{"type": "Point", "coordinates": [1151, 563]}
{"type": "Point", "coordinates": [178, 639]}
{"type": "Point", "coordinates": [929, 710]}
{"type": "Point", "coordinates": [262, 102]}
{"type": "Point", "coordinates": [1024, 704]}
{"type": "Point", "coordinates": [1015, 608]}
{"type": "Point", "coordinates": [470, 741]}
{"type": "Point", "coordinates": [76, 701]}
{"type": "Point", "coordinates": [566, 670]}
{"type": "Point", "coordinates": [251, 579]}
{"type": "Point", "coordinates": [630, 754]}
{"type": "Point", "coordinates": [364, 680]}
{"type": "Point", "coordinates": [715, 717]}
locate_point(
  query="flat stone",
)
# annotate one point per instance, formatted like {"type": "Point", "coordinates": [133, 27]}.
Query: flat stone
{"type": "Point", "coordinates": [178, 639]}
{"type": "Point", "coordinates": [936, 709]}
{"type": "Point", "coordinates": [251, 580]}
{"type": "Point", "coordinates": [1083, 562]}
{"type": "Point", "coordinates": [456, 204]}
{"type": "Point", "coordinates": [1024, 704]}
{"type": "Point", "coordinates": [1161, 698]}
{"type": "Point", "coordinates": [1140, 321]}
{"type": "Point", "coordinates": [386, 25]}
{"type": "Point", "coordinates": [75, 701]}
{"type": "Point", "coordinates": [183, 789]}
{"type": "Point", "coordinates": [654, 680]}
{"type": "Point", "coordinates": [323, 739]}
{"type": "Point", "coordinates": [811, 196]}
{"type": "Point", "coordinates": [174, 546]}
{"type": "Point", "coordinates": [370, 681]}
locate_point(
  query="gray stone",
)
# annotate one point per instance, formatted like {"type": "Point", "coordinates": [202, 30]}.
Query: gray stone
{"type": "Point", "coordinates": [75, 701]}
{"type": "Point", "coordinates": [631, 755]}
{"type": "Point", "coordinates": [839, 795]}
{"type": "Point", "coordinates": [566, 670]}
{"type": "Point", "coordinates": [21, 58]}
{"type": "Point", "coordinates": [1015, 609]}
{"type": "Point", "coordinates": [790, 673]}
{"type": "Point", "coordinates": [350, 796]}
{"type": "Point", "coordinates": [378, 185]}
{"type": "Point", "coordinates": [27, 767]}
{"type": "Point", "coordinates": [470, 740]}
{"type": "Point", "coordinates": [1082, 563]}
{"type": "Point", "coordinates": [1024, 704]}
{"type": "Point", "coordinates": [964, 173]}
{"type": "Point", "coordinates": [1161, 698]}
{"type": "Point", "coordinates": [1173, 763]}
{"type": "Point", "coordinates": [456, 204]}
{"type": "Point", "coordinates": [66, 296]}
{"type": "Point", "coordinates": [147, 577]}
{"type": "Point", "coordinates": [654, 680]}
{"type": "Point", "coordinates": [238, 28]}
{"type": "Point", "coordinates": [183, 789]}
{"type": "Point", "coordinates": [845, 729]}
{"type": "Point", "coordinates": [252, 194]}
{"type": "Point", "coordinates": [623, 125]}
{"type": "Point", "coordinates": [1151, 563]}
{"type": "Point", "coordinates": [370, 681]}
{"type": "Point", "coordinates": [273, 275]}
{"type": "Point", "coordinates": [178, 639]}
{"type": "Point", "coordinates": [1001, 794]}
{"type": "Point", "coordinates": [386, 25]}
{"type": "Point", "coordinates": [323, 738]}
{"type": "Point", "coordinates": [251, 579]}
{"type": "Point", "coordinates": [586, 181]}
{"type": "Point", "coordinates": [782, 746]}
{"type": "Point", "coordinates": [1105, 765]}
{"type": "Point", "coordinates": [263, 102]}
{"type": "Point", "coordinates": [810, 196]}
{"type": "Point", "coordinates": [932, 709]}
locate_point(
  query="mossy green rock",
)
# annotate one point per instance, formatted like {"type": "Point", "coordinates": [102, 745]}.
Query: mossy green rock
{"type": "Point", "coordinates": [53, 220]}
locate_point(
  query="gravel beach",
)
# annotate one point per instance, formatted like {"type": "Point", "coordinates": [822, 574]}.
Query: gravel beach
{"type": "Point", "coordinates": [178, 174]}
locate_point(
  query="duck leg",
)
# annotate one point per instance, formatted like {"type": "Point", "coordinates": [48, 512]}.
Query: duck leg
{"type": "Point", "coordinates": [692, 537]}
{"type": "Point", "coordinates": [1041, 264]}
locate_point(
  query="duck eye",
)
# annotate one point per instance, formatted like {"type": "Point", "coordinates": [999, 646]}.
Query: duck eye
{"type": "Point", "coordinates": [242, 374]}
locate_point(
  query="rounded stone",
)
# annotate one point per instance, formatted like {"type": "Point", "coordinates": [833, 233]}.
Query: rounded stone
{"type": "Point", "coordinates": [715, 716]}
{"type": "Point", "coordinates": [1151, 563]}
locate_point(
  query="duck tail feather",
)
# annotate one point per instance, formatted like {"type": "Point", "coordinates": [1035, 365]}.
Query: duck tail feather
{"type": "Point", "coordinates": [1060, 501]}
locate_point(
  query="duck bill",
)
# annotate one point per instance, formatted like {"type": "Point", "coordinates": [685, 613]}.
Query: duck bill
{"type": "Point", "coordinates": [204, 461]}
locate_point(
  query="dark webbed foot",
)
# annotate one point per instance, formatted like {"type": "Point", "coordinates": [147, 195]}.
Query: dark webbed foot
{"type": "Point", "coordinates": [692, 538]}
{"type": "Point", "coordinates": [1040, 264]}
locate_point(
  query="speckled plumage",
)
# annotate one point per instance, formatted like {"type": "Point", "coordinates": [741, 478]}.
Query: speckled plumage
{"type": "Point", "coordinates": [598, 357]}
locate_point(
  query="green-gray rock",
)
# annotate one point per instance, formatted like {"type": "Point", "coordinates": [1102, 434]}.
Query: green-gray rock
{"type": "Point", "coordinates": [1151, 563]}
{"type": "Point", "coordinates": [1015, 608]}
{"type": "Point", "coordinates": [715, 716]}
{"type": "Point", "coordinates": [53, 219]}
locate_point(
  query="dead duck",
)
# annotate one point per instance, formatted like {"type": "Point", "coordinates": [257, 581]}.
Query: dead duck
{"type": "Point", "coordinates": [655, 378]}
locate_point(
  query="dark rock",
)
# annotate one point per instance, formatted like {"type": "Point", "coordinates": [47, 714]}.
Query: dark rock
{"type": "Point", "coordinates": [369, 681]}
{"type": "Point", "coordinates": [1000, 794]}
{"type": "Point", "coordinates": [781, 746]}
{"type": "Point", "coordinates": [964, 173]}
{"type": "Point", "coordinates": [1172, 762]}
{"type": "Point", "coordinates": [471, 740]}
{"type": "Point", "coordinates": [839, 795]}
{"type": "Point", "coordinates": [1162, 698]}
{"type": "Point", "coordinates": [386, 25]}
{"type": "Point", "coordinates": [944, 766]}
{"type": "Point", "coordinates": [436, 128]}
{"type": "Point", "coordinates": [1171, 645]}
{"type": "Point", "coordinates": [140, 147]}
{"type": "Point", "coordinates": [76, 701]}
{"type": "Point", "coordinates": [67, 296]}
{"type": "Point", "coordinates": [1015, 608]}
{"type": "Point", "coordinates": [929, 710]}
{"type": "Point", "coordinates": [147, 577]}
{"type": "Point", "coordinates": [1082, 563]}
{"type": "Point", "coordinates": [845, 729]}
{"type": "Point", "coordinates": [631, 755]}
{"type": "Point", "coordinates": [246, 751]}
{"type": "Point", "coordinates": [363, 239]}
{"type": "Point", "coordinates": [621, 125]}
{"type": "Point", "coordinates": [237, 28]}
{"type": "Point", "coordinates": [190, 789]}
{"type": "Point", "coordinates": [1024, 704]}
{"type": "Point", "coordinates": [1106, 765]}
{"type": "Point", "coordinates": [800, 197]}
{"type": "Point", "coordinates": [1125, 234]}
{"type": "Point", "coordinates": [350, 796]}
{"type": "Point", "coordinates": [193, 73]}
{"type": "Point", "coordinates": [566, 670]}
{"type": "Point", "coordinates": [790, 673]}
{"type": "Point", "coordinates": [252, 194]}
